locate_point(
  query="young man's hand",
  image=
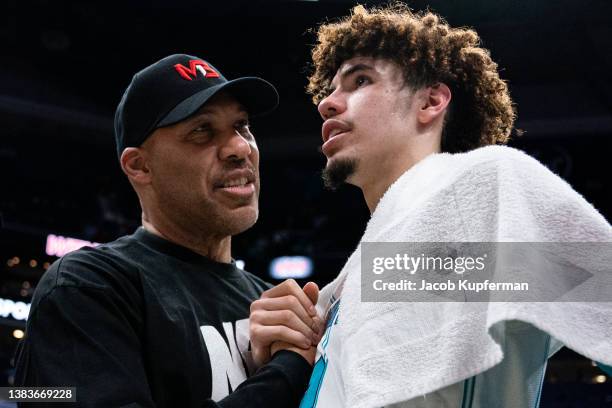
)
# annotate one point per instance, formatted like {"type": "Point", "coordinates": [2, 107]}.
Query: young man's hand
{"type": "Point", "coordinates": [284, 318]}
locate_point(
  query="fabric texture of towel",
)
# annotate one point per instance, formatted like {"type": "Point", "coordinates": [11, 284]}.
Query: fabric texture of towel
{"type": "Point", "coordinates": [396, 351]}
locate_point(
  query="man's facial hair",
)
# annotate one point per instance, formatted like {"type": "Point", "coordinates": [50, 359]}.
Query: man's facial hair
{"type": "Point", "coordinates": [337, 172]}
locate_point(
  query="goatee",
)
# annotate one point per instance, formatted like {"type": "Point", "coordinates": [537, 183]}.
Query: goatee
{"type": "Point", "coordinates": [337, 172]}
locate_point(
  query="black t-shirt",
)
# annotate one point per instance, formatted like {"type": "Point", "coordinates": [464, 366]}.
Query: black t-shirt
{"type": "Point", "coordinates": [144, 322]}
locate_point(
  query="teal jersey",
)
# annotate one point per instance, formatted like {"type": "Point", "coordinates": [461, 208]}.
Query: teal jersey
{"type": "Point", "coordinates": [515, 382]}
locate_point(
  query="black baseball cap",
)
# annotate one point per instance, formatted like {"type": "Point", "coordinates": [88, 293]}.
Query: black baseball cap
{"type": "Point", "coordinates": [174, 88]}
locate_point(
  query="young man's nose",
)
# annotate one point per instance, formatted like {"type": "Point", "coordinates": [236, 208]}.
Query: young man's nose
{"type": "Point", "coordinates": [332, 105]}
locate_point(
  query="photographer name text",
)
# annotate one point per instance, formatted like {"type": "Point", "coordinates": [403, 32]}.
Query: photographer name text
{"type": "Point", "coordinates": [461, 285]}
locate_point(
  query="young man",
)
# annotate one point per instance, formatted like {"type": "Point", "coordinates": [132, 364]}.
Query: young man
{"type": "Point", "coordinates": [412, 110]}
{"type": "Point", "coordinates": [160, 318]}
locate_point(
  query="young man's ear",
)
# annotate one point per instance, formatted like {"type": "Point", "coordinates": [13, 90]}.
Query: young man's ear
{"type": "Point", "coordinates": [135, 166]}
{"type": "Point", "coordinates": [434, 102]}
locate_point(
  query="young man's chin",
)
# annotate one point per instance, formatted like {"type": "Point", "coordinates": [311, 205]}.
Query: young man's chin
{"type": "Point", "coordinates": [337, 172]}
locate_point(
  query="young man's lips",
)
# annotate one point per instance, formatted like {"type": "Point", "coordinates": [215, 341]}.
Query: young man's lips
{"type": "Point", "coordinates": [332, 144]}
{"type": "Point", "coordinates": [331, 128]}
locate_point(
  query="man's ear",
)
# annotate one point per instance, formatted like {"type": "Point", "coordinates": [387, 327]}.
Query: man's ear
{"type": "Point", "coordinates": [433, 103]}
{"type": "Point", "coordinates": [134, 164]}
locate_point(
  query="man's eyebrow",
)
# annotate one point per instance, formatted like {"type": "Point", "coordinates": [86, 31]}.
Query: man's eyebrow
{"type": "Point", "coordinates": [350, 71]}
{"type": "Point", "coordinates": [355, 68]}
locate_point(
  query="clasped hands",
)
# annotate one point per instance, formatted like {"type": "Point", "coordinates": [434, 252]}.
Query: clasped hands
{"type": "Point", "coordinates": [285, 318]}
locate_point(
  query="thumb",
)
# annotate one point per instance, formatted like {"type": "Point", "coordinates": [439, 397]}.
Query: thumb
{"type": "Point", "coordinates": [312, 291]}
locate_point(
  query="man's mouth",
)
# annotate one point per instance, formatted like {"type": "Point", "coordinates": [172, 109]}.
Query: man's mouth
{"type": "Point", "coordinates": [239, 183]}
{"type": "Point", "coordinates": [334, 133]}
{"type": "Point", "coordinates": [332, 128]}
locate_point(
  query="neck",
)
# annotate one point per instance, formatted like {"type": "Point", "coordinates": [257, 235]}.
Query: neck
{"type": "Point", "coordinates": [378, 183]}
{"type": "Point", "coordinates": [215, 248]}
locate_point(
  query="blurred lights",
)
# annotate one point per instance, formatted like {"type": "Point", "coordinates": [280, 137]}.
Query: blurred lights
{"type": "Point", "coordinates": [291, 267]}
{"type": "Point", "coordinates": [18, 334]}
{"type": "Point", "coordinates": [13, 261]}
{"type": "Point", "coordinates": [46, 265]}
{"type": "Point", "coordinates": [33, 263]}
{"type": "Point", "coordinates": [599, 379]}
{"type": "Point", "coordinates": [18, 310]}
{"type": "Point", "coordinates": [60, 246]}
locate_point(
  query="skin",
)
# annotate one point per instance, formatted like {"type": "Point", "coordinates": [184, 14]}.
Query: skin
{"type": "Point", "coordinates": [285, 318]}
{"type": "Point", "coordinates": [178, 173]}
{"type": "Point", "coordinates": [385, 127]}
{"type": "Point", "coordinates": [389, 126]}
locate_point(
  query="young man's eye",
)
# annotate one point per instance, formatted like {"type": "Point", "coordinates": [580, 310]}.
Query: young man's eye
{"type": "Point", "coordinates": [362, 80]}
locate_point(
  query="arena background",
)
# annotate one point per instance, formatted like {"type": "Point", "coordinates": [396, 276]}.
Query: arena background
{"type": "Point", "coordinates": [64, 66]}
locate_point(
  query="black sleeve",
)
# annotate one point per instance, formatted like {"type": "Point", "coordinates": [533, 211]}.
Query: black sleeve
{"type": "Point", "coordinates": [86, 337]}
{"type": "Point", "coordinates": [83, 337]}
{"type": "Point", "coordinates": [280, 383]}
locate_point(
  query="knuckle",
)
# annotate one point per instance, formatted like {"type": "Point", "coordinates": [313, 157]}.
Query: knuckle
{"type": "Point", "coordinates": [255, 317]}
{"type": "Point", "coordinates": [286, 316]}
{"type": "Point", "coordinates": [294, 303]}
{"type": "Point", "coordinates": [258, 334]}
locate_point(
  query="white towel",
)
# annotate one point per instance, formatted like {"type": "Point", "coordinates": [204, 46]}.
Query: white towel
{"type": "Point", "coordinates": [394, 352]}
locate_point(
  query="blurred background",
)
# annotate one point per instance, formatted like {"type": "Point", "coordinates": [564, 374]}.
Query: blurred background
{"type": "Point", "coordinates": [64, 66]}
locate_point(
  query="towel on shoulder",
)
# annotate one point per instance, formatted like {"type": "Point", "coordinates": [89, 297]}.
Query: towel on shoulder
{"type": "Point", "coordinates": [395, 351]}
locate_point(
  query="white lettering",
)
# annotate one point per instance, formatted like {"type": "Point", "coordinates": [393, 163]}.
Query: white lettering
{"type": "Point", "coordinates": [225, 363]}
{"type": "Point", "coordinates": [242, 341]}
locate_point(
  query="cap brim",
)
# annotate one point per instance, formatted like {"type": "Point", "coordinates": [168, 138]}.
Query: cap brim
{"type": "Point", "coordinates": [258, 96]}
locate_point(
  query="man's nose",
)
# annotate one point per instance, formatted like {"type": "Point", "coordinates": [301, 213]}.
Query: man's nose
{"type": "Point", "coordinates": [332, 105]}
{"type": "Point", "coordinates": [236, 147]}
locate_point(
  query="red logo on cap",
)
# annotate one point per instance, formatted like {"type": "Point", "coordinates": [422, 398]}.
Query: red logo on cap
{"type": "Point", "coordinates": [194, 67]}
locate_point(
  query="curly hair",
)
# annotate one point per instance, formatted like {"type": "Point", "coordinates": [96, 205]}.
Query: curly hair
{"type": "Point", "coordinates": [428, 51]}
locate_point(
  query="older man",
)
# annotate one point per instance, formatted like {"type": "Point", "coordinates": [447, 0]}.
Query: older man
{"type": "Point", "coordinates": [160, 317]}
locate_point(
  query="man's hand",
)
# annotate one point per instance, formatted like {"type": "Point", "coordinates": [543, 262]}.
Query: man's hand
{"type": "Point", "coordinates": [285, 315]}
{"type": "Point", "coordinates": [312, 291]}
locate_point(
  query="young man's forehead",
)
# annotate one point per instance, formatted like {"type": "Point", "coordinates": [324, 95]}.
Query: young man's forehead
{"type": "Point", "coordinates": [357, 60]}
{"type": "Point", "coordinates": [366, 63]}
